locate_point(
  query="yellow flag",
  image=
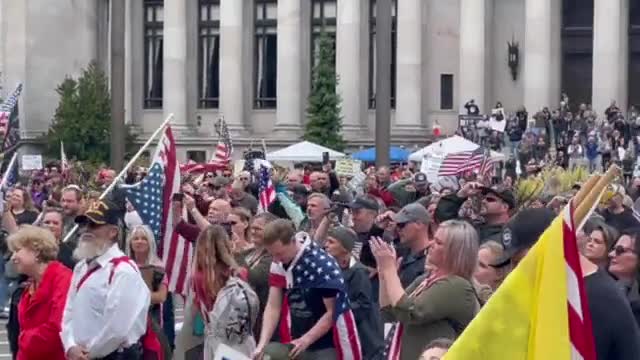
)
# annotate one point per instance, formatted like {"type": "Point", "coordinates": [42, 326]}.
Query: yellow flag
{"type": "Point", "coordinates": [527, 317]}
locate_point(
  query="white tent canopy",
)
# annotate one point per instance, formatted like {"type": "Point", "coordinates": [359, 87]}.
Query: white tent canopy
{"type": "Point", "coordinates": [450, 145]}
{"type": "Point", "coordinates": [303, 151]}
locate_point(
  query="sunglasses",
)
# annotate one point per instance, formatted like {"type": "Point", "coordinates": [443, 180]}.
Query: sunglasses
{"type": "Point", "coordinates": [490, 199]}
{"type": "Point", "coordinates": [401, 226]}
{"type": "Point", "coordinates": [619, 250]}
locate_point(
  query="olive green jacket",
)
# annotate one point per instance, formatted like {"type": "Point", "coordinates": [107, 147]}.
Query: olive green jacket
{"type": "Point", "coordinates": [441, 311]}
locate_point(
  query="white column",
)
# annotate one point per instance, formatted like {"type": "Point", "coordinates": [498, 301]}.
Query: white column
{"type": "Point", "coordinates": [232, 85]}
{"type": "Point", "coordinates": [174, 78]}
{"type": "Point", "coordinates": [348, 56]}
{"type": "Point", "coordinates": [289, 81]}
{"type": "Point", "coordinates": [610, 53]}
{"type": "Point", "coordinates": [538, 55]}
{"type": "Point", "coordinates": [409, 64]}
{"type": "Point", "coordinates": [472, 53]}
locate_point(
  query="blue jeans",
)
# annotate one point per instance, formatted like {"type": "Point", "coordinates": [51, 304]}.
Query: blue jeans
{"type": "Point", "coordinates": [514, 149]}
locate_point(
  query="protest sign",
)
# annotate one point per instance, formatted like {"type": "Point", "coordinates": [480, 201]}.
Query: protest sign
{"type": "Point", "coordinates": [431, 166]}
{"type": "Point", "coordinates": [31, 162]}
{"type": "Point", "coordinates": [347, 167]}
{"type": "Point", "coordinates": [497, 121]}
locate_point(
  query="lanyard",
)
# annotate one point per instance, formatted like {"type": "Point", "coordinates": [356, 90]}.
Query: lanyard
{"type": "Point", "coordinates": [86, 276]}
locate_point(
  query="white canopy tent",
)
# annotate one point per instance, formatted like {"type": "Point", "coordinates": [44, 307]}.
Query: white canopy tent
{"type": "Point", "coordinates": [450, 145]}
{"type": "Point", "coordinates": [303, 151]}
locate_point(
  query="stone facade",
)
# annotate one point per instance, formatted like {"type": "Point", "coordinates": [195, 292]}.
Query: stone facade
{"type": "Point", "coordinates": [464, 41]}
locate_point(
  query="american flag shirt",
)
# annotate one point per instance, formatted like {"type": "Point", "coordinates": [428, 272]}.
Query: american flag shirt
{"type": "Point", "coordinates": [313, 268]}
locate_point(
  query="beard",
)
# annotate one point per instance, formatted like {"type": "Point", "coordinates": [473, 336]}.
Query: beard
{"type": "Point", "coordinates": [88, 250]}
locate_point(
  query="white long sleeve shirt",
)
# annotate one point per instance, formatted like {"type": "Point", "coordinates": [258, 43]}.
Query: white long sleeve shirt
{"type": "Point", "coordinates": [101, 315]}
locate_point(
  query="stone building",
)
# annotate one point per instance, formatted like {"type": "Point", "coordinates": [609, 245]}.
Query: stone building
{"type": "Point", "coordinates": [250, 60]}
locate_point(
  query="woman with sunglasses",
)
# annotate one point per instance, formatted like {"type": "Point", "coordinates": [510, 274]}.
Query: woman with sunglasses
{"type": "Point", "coordinates": [625, 267]}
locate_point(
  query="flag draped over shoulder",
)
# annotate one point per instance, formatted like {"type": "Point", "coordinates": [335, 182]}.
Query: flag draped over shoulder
{"type": "Point", "coordinates": [313, 268]}
{"type": "Point", "coordinates": [540, 312]}
{"type": "Point", "coordinates": [152, 200]}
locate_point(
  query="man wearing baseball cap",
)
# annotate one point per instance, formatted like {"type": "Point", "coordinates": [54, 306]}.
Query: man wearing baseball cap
{"type": "Point", "coordinates": [364, 210]}
{"type": "Point", "coordinates": [414, 228]}
{"type": "Point", "coordinates": [339, 244]}
{"type": "Point", "coordinates": [106, 309]}
{"type": "Point", "coordinates": [497, 206]}
{"type": "Point", "coordinates": [410, 190]}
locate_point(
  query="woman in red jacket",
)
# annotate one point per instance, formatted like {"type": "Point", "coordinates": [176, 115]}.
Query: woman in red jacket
{"type": "Point", "coordinates": [42, 303]}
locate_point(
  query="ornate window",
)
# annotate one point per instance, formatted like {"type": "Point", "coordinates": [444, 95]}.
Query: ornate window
{"type": "Point", "coordinates": [372, 53]}
{"type": "Point", "coordinates": [266, 53]}
{"type": "Point", "coordinates": [323, 17]}
{"type": "Point", "coordinates": [153, 41]}
{"type": "Point", "coordinates": [209, 54]}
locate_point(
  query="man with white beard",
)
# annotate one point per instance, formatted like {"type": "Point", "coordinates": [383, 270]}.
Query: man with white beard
{"type": "Point", "coordinates": [107, 304]}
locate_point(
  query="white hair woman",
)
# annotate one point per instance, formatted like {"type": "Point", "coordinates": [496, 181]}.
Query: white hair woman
{"type": "Point", "coordinates": [141, 248]}
{"type": "Point", "coordinates": [439, 303]}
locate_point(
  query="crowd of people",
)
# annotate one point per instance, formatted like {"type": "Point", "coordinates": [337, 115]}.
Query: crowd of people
{"type": "Point", "coordinates": [395, 268]}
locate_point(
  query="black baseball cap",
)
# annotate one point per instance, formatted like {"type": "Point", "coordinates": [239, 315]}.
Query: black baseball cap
{"type": "Point", "coordinates": [505, 195]}
{"type": "Point", "coordinates": [523, 231]}
{"type": "Point", "coordinates": [420, 179]}
{"type": "Point", "coordinates": [364, 202]}
{"type": "Point", "coordinates": [102, 212]}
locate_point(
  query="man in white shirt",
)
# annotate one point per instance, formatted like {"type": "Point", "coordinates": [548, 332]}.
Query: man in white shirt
{"type": "Point", "coordinates": [106, 311]}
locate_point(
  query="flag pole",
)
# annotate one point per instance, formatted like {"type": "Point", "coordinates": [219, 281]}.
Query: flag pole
{"type": "Point", "coordinates": [126, 168]}
{"type": "Point", "coordinates": [5, 177]}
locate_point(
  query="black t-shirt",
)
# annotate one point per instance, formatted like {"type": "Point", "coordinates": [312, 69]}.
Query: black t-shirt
{"type": "Point", "coordinates": [624, 220]}
{"type": "Point", "coordinates": [26, 217]}
{"type": "Point", "coordinates": [306, 307]}
{"type": "Point", "coordinates": [615, 331]}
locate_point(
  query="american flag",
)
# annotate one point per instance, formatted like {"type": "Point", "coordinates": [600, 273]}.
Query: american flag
{"type": "Point", "coordinates": [64, 162]}
{"type": "Point", "coordinates": [266, 190]}
{"type": "Point", "coordinates": [224, 149]}
{"type": "Point", "coordinates": [461, 162]}
{"type": "Point", "coordinates": [9, 120]}
{"type": "Point", "coordinates": [313, 268]}
{"type": "Point", "coordinates": [152, 200]}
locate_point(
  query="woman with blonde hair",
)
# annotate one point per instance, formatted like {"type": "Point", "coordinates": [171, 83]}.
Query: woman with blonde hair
{"type": "Point", "coordinates": [486, 276]}
{"type": "Point", "coordinates": [228, 305]}
{"type": "Point", "coordinates": [439, 303]}
{"type": "Point", "coordinates": [42, 303]}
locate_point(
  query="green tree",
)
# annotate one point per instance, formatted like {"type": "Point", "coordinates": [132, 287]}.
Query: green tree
{"type": "Point", "coordinates": [325, 123]}
{"type": "Point", "coordinates": [83, 118]}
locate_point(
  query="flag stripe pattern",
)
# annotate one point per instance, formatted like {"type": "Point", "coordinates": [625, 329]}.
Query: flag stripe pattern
{"type": "Point", "coordinates": [267, 192]}
{"type": "Point", "coordinates": [580, 330]}
{"type": "Point", "coordinates": [9, 121]}
{"type": "Point", "coordinates": [224, 149]}
{"type": "Point", "coordinates": [313, 268]}
{"type": "Point", "coordinates": [152, 199]}
{"type": "Point", "coordinates": [461, 162]}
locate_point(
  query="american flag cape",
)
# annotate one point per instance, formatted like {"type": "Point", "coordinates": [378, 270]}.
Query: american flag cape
{"type": "Point", "coordinates": [267, 192]}
{"type": "Point", "coordinates": [152, 199]}
{"type": "Point", "coordinates": [461, 162]}
{"type": "Point", "coordinates": [313, 268]}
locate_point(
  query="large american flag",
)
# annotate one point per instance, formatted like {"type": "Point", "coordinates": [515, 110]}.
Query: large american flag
{"type": "Point", "coordinates": [224, 149]}
{"type": "Point", "coordinates": [461, 162]}
{"type": "Point", "coordinates": [313, 268]}
{"type": "Point", "coordinates": [152, 200]}
{"type": "Point", "coordinates": [9, 120]}
{"type": "Point", "coordinates": [266, 190]}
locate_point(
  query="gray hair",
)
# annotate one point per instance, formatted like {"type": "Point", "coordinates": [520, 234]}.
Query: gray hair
{"type": "Point", "coordinates": [321, 196]}
{"type": "Point", "coordinates": [461, 248]}
{"type": "Point", "coordinates": [152, 258]}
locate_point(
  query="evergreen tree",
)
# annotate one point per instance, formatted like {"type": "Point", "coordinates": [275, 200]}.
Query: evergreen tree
{"type": "Point", "coordinates": [83, 118]}
{"type": "Point", "coordinates": [325, 123]}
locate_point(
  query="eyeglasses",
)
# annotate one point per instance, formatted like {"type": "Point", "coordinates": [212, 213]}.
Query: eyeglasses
{"type": "Point", "coordinates": [401, 226]}
{"type": "Point", "coordinates": [244, 179]}
{"type": "Point", "coordinates": [619, 250]}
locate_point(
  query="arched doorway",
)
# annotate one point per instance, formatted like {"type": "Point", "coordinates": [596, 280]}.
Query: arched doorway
{"type": "Point", "coordinates": [634, 53]}
{"type": "Point", "coordinates": [577, 50]}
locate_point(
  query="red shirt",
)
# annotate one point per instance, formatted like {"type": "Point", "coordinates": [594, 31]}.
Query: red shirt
{"type": "Point", "coordinates": [40, 315]}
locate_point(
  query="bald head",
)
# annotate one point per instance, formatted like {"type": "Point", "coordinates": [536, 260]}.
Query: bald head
{"type": "Point", "coordinates": [218, 211]}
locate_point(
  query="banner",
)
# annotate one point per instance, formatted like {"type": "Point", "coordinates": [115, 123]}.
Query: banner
{"type": "Point", "coordinates": [31, 162]}
{"type": "Point", "coordinates": [348, 167]}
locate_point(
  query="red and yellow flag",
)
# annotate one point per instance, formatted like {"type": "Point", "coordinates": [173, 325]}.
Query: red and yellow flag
{"type": "Point", "coordinates": [540, 311]}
